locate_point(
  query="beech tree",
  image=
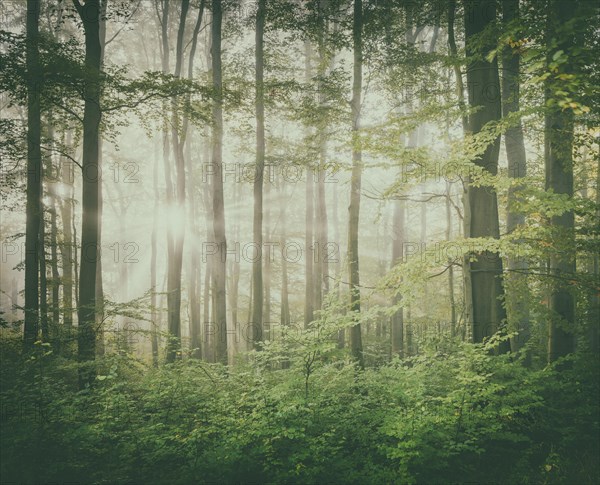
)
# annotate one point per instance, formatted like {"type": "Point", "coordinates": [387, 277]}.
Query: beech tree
{"type": "Point", "coordinates": [34, 176]}
{"type": "Point", "coordinates": [483, 85]}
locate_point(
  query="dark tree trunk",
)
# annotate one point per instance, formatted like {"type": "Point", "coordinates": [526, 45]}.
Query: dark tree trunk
{"type": "Point", "coordinates": [34, 177]}
{"type": "Point", "coordinates": [558, 154]}
{"type": "Point", "coordinates": [55, 275]}
{"type": "Point", "coordinates": [89, 14]}
{"type": "Point", "coordinates": [486, 270]}
{"type": "Point", "coordinates": [175, 262]}
{"type": "Point", "coordinates": [195, 273]}
{"type": "Point", "coordinates": [517, 296]}
{"type": "Point", "coordinates": [460, 95]}
{"type": "Point", "coordinates": [43, 280]}
{"type": "Point", "coordinates": [67, 246]}
{"type": "Point", "coordinates": [54, 263]}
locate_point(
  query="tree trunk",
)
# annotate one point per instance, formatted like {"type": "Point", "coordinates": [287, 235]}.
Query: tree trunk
{"type": "Point", "coordinates": [195, 273]}
{"type": "Point", "coordinates": [285, 303]}
{"type": "Point", "coordinates": [54, 268]}
{"type": "Point", "coordinates": [43, 279]}
{"type": "Point", "coordinates": [517, 296]}
{"type": "Point", "coordinates": [309, 240]}
{"type": "Point", "coordinates": [460, 94]}
{"type": "Point", "coordinates": [450, 261]}
{"type": "Point", "coordinates": [220, 257]}
{"type": "Point", "coordinates": [90, 230]}
{"type": "Point", "coordinates": [55, 281]}
{"type": "Point", "coordinates": [67, 245]}
{"type": "Point", "coordinates": [34, 177]}
{"type": "Point", "coordinates": [153, 280]}
{"type": "Point", "coordinates": [594, 304]}
{"type": "Point", "coordinates": [175, 261]}
{"type": "Point", "coordinates": [267, 271]}
{"type": "Point", "coordinates": [397, 258]}
{"type": "Point", "coordinates": [355, 188]}
{"type": "Point", "coordinates": [338, 266]}
{"type": "Point", "coordinates": [257, 223]}
{"type": "Point", "coordinates": [486, 270]}
{"type": "Point", "coordinates": [558, 154]}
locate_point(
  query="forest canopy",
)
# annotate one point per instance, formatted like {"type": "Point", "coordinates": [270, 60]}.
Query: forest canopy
{"type": "Point", "coordinates": [299, 241]}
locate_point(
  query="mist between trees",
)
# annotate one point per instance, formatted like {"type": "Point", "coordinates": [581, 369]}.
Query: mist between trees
{"type": "Point", "coordinates": [284, 241]}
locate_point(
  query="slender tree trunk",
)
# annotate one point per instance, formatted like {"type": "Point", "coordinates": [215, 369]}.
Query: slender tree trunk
{"type": "Point", "coordinates": [76, 246]}
{"type": "Point", "coordinates": [338, 265]}
{"type": "Point", "coordinates": [320, 264]}
{"type": "Point", "coordinates": [195, 273]}
{"type": "Point", "coordinates": [99, 316]}
{"type": "Point", "coordinates": [55, 281]}
{"type": "Point", "coordinates": [67, 246]}
{"type": "Point", "coordinates": [285, 303]}
{"type": "Point", "coordinates": [257, 224]}
{"type": "Point", "coordinates": [517, 296]}
{"type": "Point", "coordinates": [90, 230]}
{"type": "Point", "coordinates": [486, 270]}
{"type": "Point", "coordinates": [450, 261]}
{"type": "Point", "coordinates": [558, 154]}
{"type": "Point", "coordinates": [175, 262]}
{"type": "Point", "coordinates": [234, 281]}
{"type": "Point", "coordinates": [460, 94]}
{"type": "Point", "coordinates": [309, 218]}
{"type": "Point", "coordinates": [594, 304]}
{"type": "Point", "coordinates": [355, 187]}
{"type": "Point", "coordinates": [220, 258]}
{"type": "Point", "coordinates": [267, 257]}
{"type": "Point", "coordinates": [153, 280]}
{"type": "Point", "coordinates": [54, 268]}
{"type": "Point", "coordinates": [309, 241]}
{"type": "Point", "coordinates": [34, 176]}
{"type": "Point", "coordinates": [207, 350]}
{"type": "Point", "coordinates": [43, 279]}
{"type": "Point", "coordinates": [397, 258]}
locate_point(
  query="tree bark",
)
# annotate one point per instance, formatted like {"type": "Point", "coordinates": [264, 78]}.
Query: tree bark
{"type": "Point", "coordinates": [90, 230]}
{"type": "Point", "coordinates": [397, 330]}
{"type": "Point", "coordinates": [460, 95]}
{"type": "Point", "coordinates": [285, 303]}
{"type": "Point", "coordinates": [67, 246]}
{"type": "Point", "coordinates": [153, 279]}
{"type": "Point", "coordinates": [558, 155]}
{"type": "Point", "coordinates": [355, 188]}
{"type": "Point", "coordinates": [486, 270]}
{"type": "Point", "coordinates": [517, 299]}
{"type": "Point", "coordinates": [309, 241]}
{"type": "Point", "coordinates": [220, 257]}
{"type": "Point", "coordinates": [175, 262]}
{"type": "Point", "coordinates": [43, 279]}
{"type": "Point", "coordinates": [257, 223]}
{"type": "Point", "coordinates": [34, 176]}
{"type": "Point", "coordinates": [450, 262]}
{"type": "Point", "coordinates": [54, 263]}
{"type": "Point", "coordinates": [267, 258]}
